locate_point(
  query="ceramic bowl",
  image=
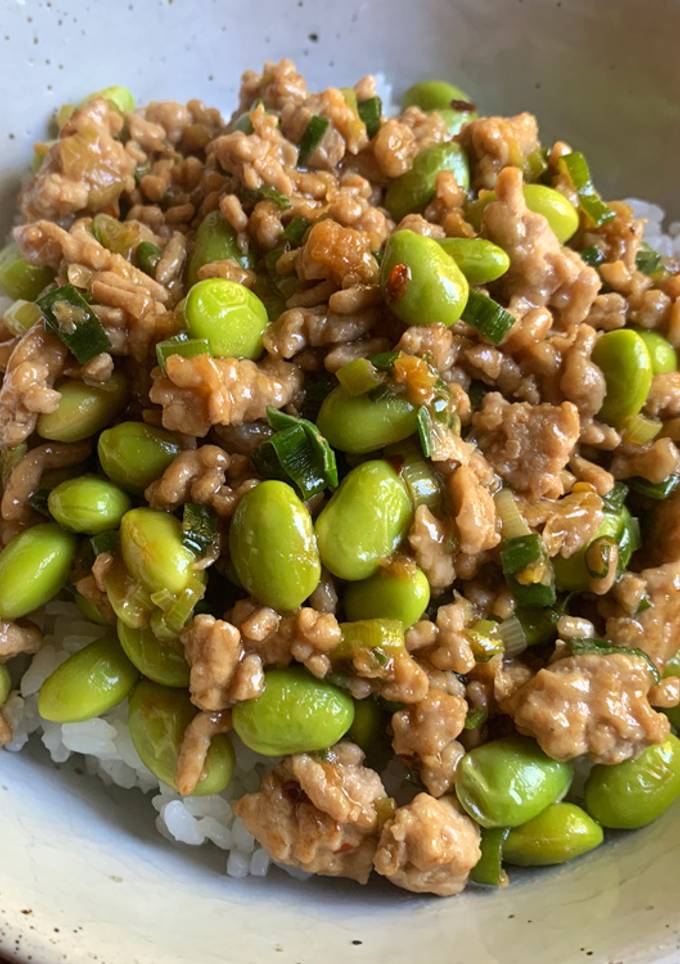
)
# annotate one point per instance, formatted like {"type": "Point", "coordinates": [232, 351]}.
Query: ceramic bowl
{"type": "Point", "coordinates": [83, 875]}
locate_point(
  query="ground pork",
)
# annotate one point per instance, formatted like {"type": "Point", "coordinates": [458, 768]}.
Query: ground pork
{"type": "Point", "coordinates": [496, 142]}
{"type": "Point", "coordinates": [200, 475]}
{"type": "Point", "coordinates": [221, 672]}
{"type": "Point", "coordinates": [542, 271]}
{"type": "Point", "coordinates": [432, 545]}
{"type": "Point", "coordinates": [18, 638]}
{"type": "Point", "coordinates": [427, 731]}
{"type": "Point", "coordinates": [86, 169]}
{"type": "Point", "coordinates": [300, 328]}
{"type": "Point", "coordinates": [474, 511]}
{"type": "Point", "coordinates": [24, 480]}
{"type": "Point", "coordinates": [571, 522]}
{"type": "Point", "coordinates": [663, 400]}
{"type": "Point", "coordinates": [341, 255]}
{"type": "Point", "coordinates": [197, 393]}
{"type": "Point", "coordinates": [196, 742]}
{"type": "Point", "coordinates": [581, 381]}
{"type": "Point", "coordinates": [656, 630]}
{"type": "Point", "coordinates": [437, 344]}
{"type": "Point", "coordinates": [592, 704]}
{"type": "Point", "coordinates": [654, 462]}
{"type": "Point", "coordinates": [264, 631]}
{"type": "Point", "coordinates": [257, 159]}
{"type": "Point", "coordinates": [318, 814]}
{"type": "Point", "coordinates": [528, 445]}
{"type": "Point", "coordinates": [428, 846]}
{"type": "Point", "coordinates": [315, 635]}
{"type": "Point", "coordinates": [26, 392]}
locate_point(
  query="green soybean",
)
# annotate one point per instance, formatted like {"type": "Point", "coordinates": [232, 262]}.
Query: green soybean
{"type": "Point", "coordinates": [632, 794]}
{"type": "Point", "coordinates": [228, 315]}
{"type": "Point", "coordinates": [34, 567]}
{"type": "Point", "coordinates": [90, 682]}
{"type": "Point", "coordinates": [360, 423]}
{"type": "Point", "coordinates": [296, 713]}
{"type": "Point", "coordinates": [560, 833]}
{"type": "Point", "coordinates": [421, 284]}
{"type": "Point", "coordinates": [390, 593]}
{"type": "Point", "coordinates": [83, 410]}
{"type": "Point", "coordinates": [160, 661]}
{"type": "Point", "coordinates": [134, 455]}
{"type": "Point", "coordinates": [364, 521]}
{"type": "Point", "coordinates": [625, 362]}
{"type": "Point", "coordinates": [508, 782]}
{"type": "Point", "coordinates": [18, 277]}
{"type": "Point", "coordinates": [661, 352]}
{"type": "Point", "coordinates": [368, 727]}
{"type": "Point", "coordinates": [153, 551]}
{"type": "Point", "coordinates": [414, 190]}
{"type": "Point", "coordinates": [5, 684]}
{"type": "Point", "coordinates": [88, 504]}
{"type": "Point", "coordinates": [158, 718]}
{"type": "Point", "coordinates": [455, 120]}
{"type": "Point", "coordinates": [272, 546]}
{"type": "Point", "coordinates": [215, 241]}
{"type": "Point", "coordinates": [480, 260]}
{"type": "Point", "coordinates": [558, 211]}
{"type": "Point", "coordinates": [432, 95]}
{"type": "Point", "coordinates": [90, 611]}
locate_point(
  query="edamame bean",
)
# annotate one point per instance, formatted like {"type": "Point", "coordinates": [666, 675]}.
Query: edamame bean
{"type": "Point", "coordinates": [162, 662]}
{"type": "Point", "coordinates": [414, 190]}
{"type": "Point", "coordinates": [509, 781]}
{"type": "Point", "coordinates": [134, 454]}
{"type": "Point", "coordinates": [478, 259]}
{"type": "Point", "coordinates": [18, 277]}
{"type": "Point", "coordinates": [5, 684]}
{"type": "Point", "coordinates": [84, 410]}
{"type": "Point", "coordinates": [90, 682]}
{"type": "Point", "coordinates": [558, 211]}
{"type": "Point", "coordinates": [158, 718]}
{"type": "Point", "coordinates": [455, 120]}
{"type": "Point", "coordinates": [632, 794]}
{"type": "Point", "coordinates": [88, 504]}
{"type": "Point", "coordinates": [432, 95]}
{"type": "Point", "coordinates": [272, 546]}
{"type": "Point", "coordinates": [34, 567]}
{"type": "Point", "coordinates": [661, 352]}
{"type": "Point", "coordinates": [625, 362]}
{"type": "Point", "coordinates": [391, 593]}
{"type": "Point", "coordinates": [297, 713]}
{"type": "Point", "coordinates": [368, 727]}
{"type": "Point", "coordinates": [90, 611]}
{"type": "Point", "coordinates": [153, 551]}
{"type": "Point", "coordinates": [560, 833]}
{"type": "Point", "coordinates": [228, 315]}
{"type": "Point", "coordinates": [421, 284]}
{"type": "Point", "coordinates": [365, 520]}
{"type": "Point", "coordinates": [359, 423]}
{"type": "Point", "coordinates": [215, 241]}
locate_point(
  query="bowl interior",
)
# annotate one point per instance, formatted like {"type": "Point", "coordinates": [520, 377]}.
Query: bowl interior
{"type": "Point", "coordinates": [82, 870]}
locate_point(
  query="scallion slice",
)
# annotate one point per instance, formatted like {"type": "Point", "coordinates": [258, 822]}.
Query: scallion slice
{"type": "Point", "coordinates": [38, 501]}
{"type": "Point", "coordinates": [513, 635]}
{"type": "Point", "coordinates": [359, 376]}
{"type": "Point", "coordinates": [180, 345]}
{"type": "Point", "coordinates": [105, 542]}
{"type": "Point", "coordinates": [199, 528]}
{"type": "Point", "coordinates": [540, 593]}
{"type": "Point", "coordinates": [475, 718]}
{"type": "Point", "coordinates": [295, 230]}
{"type": "Point", "coordinates": [485, 639]}
{"type": "Point", "coordinates": [312, 137]}
{"type": "Point", "coordinates": [384, 360]}
{"type": "Point", "coordinates": [489, 868]}
{"type": "Point", "coordinates": [424, 424]}
{"type": "Point", "coordinates": [581, 646]}
{"type": "Point", "coordinates": [592, 255]}
{"type": "Point", "coordinates": [486, 316]}
{"type": "Point", "coordinates": [297, 453]}
{"type": "Point", "coordinates": [21, 316]}
{"type": "Point", "coordinates": [423, 483]}
{"type": "Point", "coordinates": [648, 260]}
{"type": "Point", "coordinates": [598, 557]}
{"type": "Point", "coordinates": [370, 111]}
{"type": "Point", "coordinates": [513, 524]}
{"type": "Point", "coordinates": [68, 315]}
{"type": "Point", "coordinates": [575, 167]}
{"type": "Point", "coordinates": [384, 636]}
{"type": "Point", "coordinates": [538, 625]}
{"type": "Point", "coordinates": [146, 257]}
{"type": "Point", "coordinates": [520, 552]}
{"type": "Point", "coordinates": [250, 197]}
{"type": "Point", "coordinates": [615, 499]}
{"type": "Point", "coordinates": [655, 490]}
{"type": "Point", "coordinates": [639, 429]}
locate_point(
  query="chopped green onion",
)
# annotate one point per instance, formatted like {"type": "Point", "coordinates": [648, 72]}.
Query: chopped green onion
{"type": "Point", "coordinates": [182, 345]}
{"type": "Point", "coordinates": [383, 636]}
{"type": "Point", "coordinates": [297, 452]}
{"type": "Point", "coordinates": [312, 137]}
{"type": "Point", "coordinates": [423, 483]}
{"type": "Point", "coordinates": [295, 230]}
{"type": "Point", "coordinates": [513, 524]}
{"type": "Point", "coordinates": [598, 557]}
{"type": "Point", "coordinates": [173, 611]}
{"type": "Point", "coordinates": [475, 718]}
{"type": "Point", "coordinates": [540, 593]}
{"type": "Point", "coordinates": [38, 500]}
{"type": "Point", "coordinates": [265, 193]}
{"type": "Point", "coordinates": [359, 376]}
{"type": "Point", "coordinates": [9, 459]}
{"type": "Point", "coordinates": [384, 360]}
{"type": "Point", "coordinates": [520, 552]}
{"type": "Point", "coordinates": [68, 315]}
{"type": "Point", "coordinates": [535, 166]}
{"type": "Point", "coordinates": [199, 528]}
{"type": "Point", "coordinates": [538, 625]}
{"type": "Point", "coordinates": [592, 255]}
{"type": "Point", "coordinates": [513, 635]}
{"type": "Point", "coordinates": [425, 426]}
{"type": "Point", "coordinates": [644, 604]}
{"type": "Point", "coordinates": [655, 490]}
{"type": "Point", "coordinates": [114, 235]}
{"type": "Point", "coordinates": [648, 260]}
{"type": "Point", "coordinates": [243, 123]}
{"type": "Point", "coordinates": [370, 111]}
{"type": "Point", "coordinates": [489, 868]}
{"type": "Point", "coordinates": [485, 639]}
{"type": "Point", "coordinates": [21, 316]}
{"type": "Point", "coordinates": [146, 257]}
{"type": "Point", "coordinates": [639, 429]}
{"type": "Point", "coordinates": [628, 539]}
{"type": "Point", "coordinates": [105, 542]}
{"type": "Point", "coordinates": [575, 167]}
{"type": "Point", "coordinates": [486, 316]}
{"type": "Point", "coordinates": [580, 646]}
{"type": "Point", "coordinates": [318, 385]}
{"type": "Point", "coordinates": [614, 500]}
{"type": "Point", "coordinates": [18, 277]}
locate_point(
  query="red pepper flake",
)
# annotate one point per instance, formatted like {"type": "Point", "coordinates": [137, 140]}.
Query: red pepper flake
{"type": "Point", "coordinates": [397, 282]}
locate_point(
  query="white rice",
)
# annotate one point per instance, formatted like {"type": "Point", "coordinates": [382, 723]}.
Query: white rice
{"type": "Point", "coordinates": [105, 743]}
